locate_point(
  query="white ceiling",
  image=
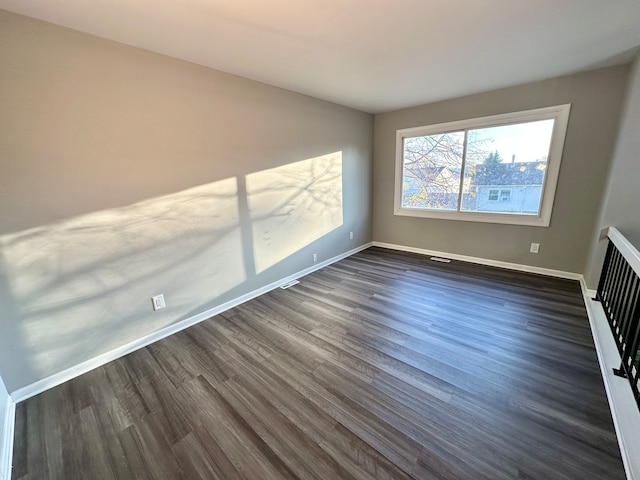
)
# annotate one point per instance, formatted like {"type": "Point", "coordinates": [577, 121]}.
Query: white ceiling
{"type": "Point", "coordinates": [373, 55]}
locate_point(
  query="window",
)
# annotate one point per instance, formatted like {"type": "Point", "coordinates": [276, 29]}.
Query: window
{"type": "Point", "coordinates": [499, 169]}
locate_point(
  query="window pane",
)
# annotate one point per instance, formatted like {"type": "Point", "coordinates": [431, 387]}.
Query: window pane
{"type": "Point", "coordinates": [505, 168]}
{"type": "Point", "coordinates": [431, 171]}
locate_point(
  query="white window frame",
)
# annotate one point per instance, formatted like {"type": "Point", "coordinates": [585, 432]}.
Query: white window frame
{"type": "Point", "coordinates": [505, 194]}
{"type": "Point", "coordinates": [560, 113]}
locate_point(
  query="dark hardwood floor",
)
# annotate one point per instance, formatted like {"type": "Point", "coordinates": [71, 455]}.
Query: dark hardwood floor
{"type": "Point", "coordinates": [384, 365]}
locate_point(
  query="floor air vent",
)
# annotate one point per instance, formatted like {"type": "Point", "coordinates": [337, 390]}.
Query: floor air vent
{"type": "Point", "coordinates": [440, 259]}
{"type": "Point", "coordinates": [290, 284]}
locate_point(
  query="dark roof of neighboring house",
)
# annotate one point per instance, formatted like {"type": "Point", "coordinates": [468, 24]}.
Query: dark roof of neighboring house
{"type": "Point", "coordinates": [428, 174]}
{"type": "Point", "coordinates": [522, 173]}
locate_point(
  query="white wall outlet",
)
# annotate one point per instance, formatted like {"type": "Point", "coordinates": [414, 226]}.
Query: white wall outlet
{"type": "Point", "coordinates": [315, 257]}
{"type": "Point", "coordinates": [158, 302]}
{"type": "Point", "coordinates": [535, 248]}
{"type": "Point", "coordinates": [350, 235]}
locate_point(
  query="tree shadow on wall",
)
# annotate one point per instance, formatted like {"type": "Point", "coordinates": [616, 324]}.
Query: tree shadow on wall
{"type": "Point", "coordinates": [82, 287]}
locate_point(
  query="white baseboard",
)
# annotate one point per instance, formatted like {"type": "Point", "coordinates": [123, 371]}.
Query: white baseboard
{"type": "Point", "coordinates": [54, 380]}
{"type": "Point", "coordinates": [483, 261]}
{"type": "Point", "coordinates": [624, 411]}
{"type": "Point", "coordinates": [6, 441]}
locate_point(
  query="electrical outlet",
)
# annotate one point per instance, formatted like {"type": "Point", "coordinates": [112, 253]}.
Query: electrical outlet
{"type": "Point", "coordinates": [350, 235]}
{"type": "Point", "coordinates": [315, 257]}
{"type": "Point", "coordinates": [158, 302]}
{"type": "Point", "coordinates": [535, 248]}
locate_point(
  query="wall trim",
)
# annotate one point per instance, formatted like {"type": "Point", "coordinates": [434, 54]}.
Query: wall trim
{"type": "Point", "coordinates": [6, 452]}
{"type": "Point", "coordinates": [483, 261]}
{"type": "Point", "coordinates": [56, 379]}
{"type": "Point", "coordinates": [624, 411]}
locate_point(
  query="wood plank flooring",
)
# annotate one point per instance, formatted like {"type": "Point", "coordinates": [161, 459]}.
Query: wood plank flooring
{"type": "Point", "coordinates": [385, 365]}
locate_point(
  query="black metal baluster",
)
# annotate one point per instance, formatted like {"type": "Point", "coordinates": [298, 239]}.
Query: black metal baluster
{"type": "Point", "coordinates": [611, 290]}
{"type": "Point", "coordinates": [623, 303]}
{"type": "Point", "coordinates": [605, 271]}
{"type": "Point", "coordinates": [619, 295]}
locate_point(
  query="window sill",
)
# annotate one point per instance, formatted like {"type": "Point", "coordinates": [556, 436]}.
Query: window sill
{"type": "Point", "coordinates": [500, 218]}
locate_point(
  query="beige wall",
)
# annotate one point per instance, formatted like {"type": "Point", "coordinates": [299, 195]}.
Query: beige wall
{"type": "Point", "coordinates": [5, 442]}
{"type": "Point", "coordinates": [621, 204]}
{"type": "Point", "coordinates": [125, 174]}
{"type": "Point", "coordinates": [4, 446]}
{"type": "Point", "coordinates": [596, 99]}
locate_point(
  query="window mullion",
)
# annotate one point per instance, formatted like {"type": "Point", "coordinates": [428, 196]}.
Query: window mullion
{"type": "Point", "coordinates": [462, 167]}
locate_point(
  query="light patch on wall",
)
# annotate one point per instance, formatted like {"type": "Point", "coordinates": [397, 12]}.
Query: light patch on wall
{"type": "Point", "coordinates": [293, 205]}
{"type": "Point", "coordinates": [83, 286]}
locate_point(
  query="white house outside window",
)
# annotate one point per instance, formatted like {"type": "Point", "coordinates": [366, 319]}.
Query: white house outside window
{"type": "Point", "coordinates": [499, 169]}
